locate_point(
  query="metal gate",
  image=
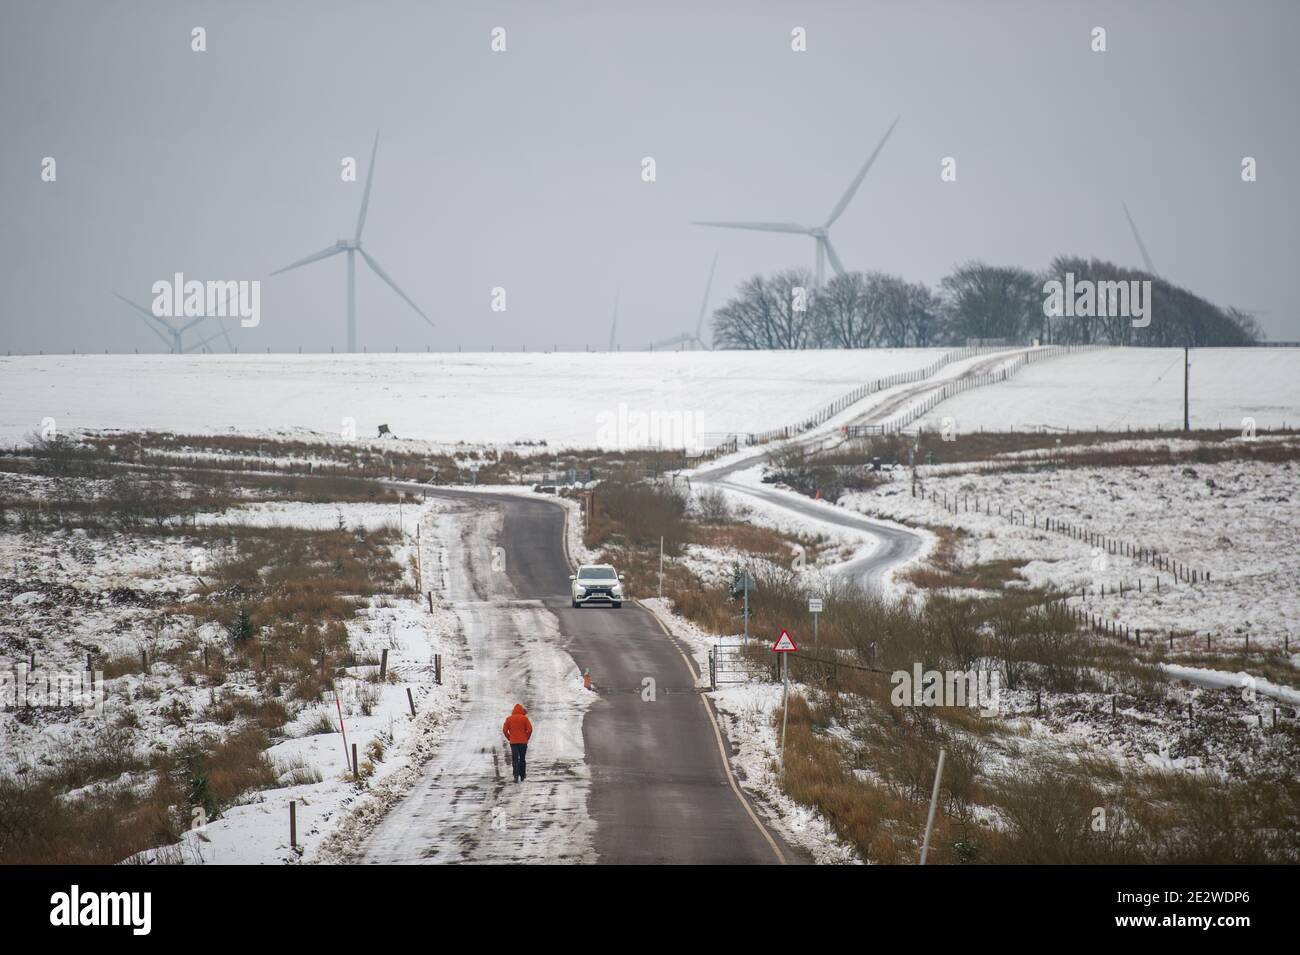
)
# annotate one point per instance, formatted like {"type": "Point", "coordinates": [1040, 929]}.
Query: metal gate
{"type": "Point", "coordinates": [728, 664]}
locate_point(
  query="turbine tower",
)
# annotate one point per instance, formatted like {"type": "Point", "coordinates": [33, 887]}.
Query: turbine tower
{"type": "Point", "coordinates": [686, 338]}
{"type": "Point", "coordinates": [353, 248]}
{"type": "Point", "coordinates": [613, 328]}
{"type": "Point", "coordinates": [820, 234]}
{"type": "Point", "coordinates": [172, 335]}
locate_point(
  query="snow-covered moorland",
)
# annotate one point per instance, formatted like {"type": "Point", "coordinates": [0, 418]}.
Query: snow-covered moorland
{"type": "Point", "coordinates": [1235, 519]}
{"type": "Point", "coordinates": [194, 715]}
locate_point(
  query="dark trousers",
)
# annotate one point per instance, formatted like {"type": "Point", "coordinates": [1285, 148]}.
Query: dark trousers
{"type": "Point", "coordinates": [519, 759]}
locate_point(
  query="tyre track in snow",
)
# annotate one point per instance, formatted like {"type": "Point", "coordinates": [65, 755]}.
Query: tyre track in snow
{"type": "Point", "coordinates": [467, 807]}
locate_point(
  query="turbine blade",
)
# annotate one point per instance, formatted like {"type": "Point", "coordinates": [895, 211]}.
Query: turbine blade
{"type": "Point", "coordinates": [144, 311]}
{"type": "Point", "coordinates": [393, 285]}
{"type": "Point", "coordinates": [314, 257]}
{"type": "Point", "coordinates": [365, 196]}
{"type": "Point", "coordinates": [821, 260]}
{"type": "Point", "coordinates": [704, 305]}
{"type": "Point", "coordinates": [1146, 259]}
{"type": "Point", "coordinates": [760, 226]}
{"type": "Point", "coordinates": [836, 264]}
{"type": "Point", "coordinates": [149, 319]}
{"type": "Point", "coordinates": [675, 340]}
{"type": "Point", "coordinates": [222, 322]}
{"type": "Point", "coordinates": [862, 174]}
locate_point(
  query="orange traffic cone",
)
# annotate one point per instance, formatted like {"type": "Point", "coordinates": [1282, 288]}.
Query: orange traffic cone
{"type": "Point", "coordinates": [586, 679]}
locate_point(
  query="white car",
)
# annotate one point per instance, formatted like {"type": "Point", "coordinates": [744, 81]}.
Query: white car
{"type": "Point", "coordinates": [599, 583]}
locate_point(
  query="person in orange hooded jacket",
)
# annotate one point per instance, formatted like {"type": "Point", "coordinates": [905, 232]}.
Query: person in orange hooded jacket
{"type": "Point", "coordinates": [518, 731]}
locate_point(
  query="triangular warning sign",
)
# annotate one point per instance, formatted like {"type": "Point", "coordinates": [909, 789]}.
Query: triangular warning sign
{"type": "Point", "coordinates": [784, 644]}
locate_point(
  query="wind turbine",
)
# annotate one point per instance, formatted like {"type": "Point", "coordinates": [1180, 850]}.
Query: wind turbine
{"type": "Point", "coordinates": [1146, 259]}
{"type": "Point", "coordinates": [820, 234]}
{"type": "Point", "coordinates": [353, 248]}
{"type": "Point", "coordinates": [172, 335]}
{"type": "Point", "coordinates": [686, 338]}
{"type": "Point", "coordinates": [613, 328]}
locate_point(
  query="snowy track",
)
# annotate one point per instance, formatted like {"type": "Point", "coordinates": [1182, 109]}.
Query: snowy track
{"type": "Point", "coordinates": [887, 546]}
{"type": "Point", "coordinates": [467, 808]}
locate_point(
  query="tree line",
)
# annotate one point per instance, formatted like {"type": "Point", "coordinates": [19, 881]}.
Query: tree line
{"type": "Point", "coordinates": [975, 302]}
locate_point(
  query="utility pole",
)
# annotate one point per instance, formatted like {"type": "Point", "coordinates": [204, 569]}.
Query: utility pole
{"type": "Point", "coordinates": [1187, 374]}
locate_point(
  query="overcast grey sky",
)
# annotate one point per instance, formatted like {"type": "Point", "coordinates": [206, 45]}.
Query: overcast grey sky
{"type": "Point", "coordinates": [522, 169]}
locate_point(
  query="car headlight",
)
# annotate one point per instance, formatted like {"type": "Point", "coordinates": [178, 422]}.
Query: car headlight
{"type": "Point", "coordinates": [581, 589]}
{"type": "Point", "coordinates": [618, 588]}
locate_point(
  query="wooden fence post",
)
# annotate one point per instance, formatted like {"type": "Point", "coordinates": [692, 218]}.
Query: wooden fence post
{"type": "Point", "coordinates": [411, 700]}
{"type": "Point", "coordinates": [383, 666]}
{"type": "Point", "coordinates": [356, 767]}
{"type": "Point", "coordinates": [293, 823]}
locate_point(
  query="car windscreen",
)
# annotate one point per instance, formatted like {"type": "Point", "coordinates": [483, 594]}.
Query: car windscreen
{"type": "Point", "coordinates": [597, 573]}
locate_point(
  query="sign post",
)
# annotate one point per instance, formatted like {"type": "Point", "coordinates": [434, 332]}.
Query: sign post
{"type": "Point", "coordinates": [783, 646]}
{"type": "Point", "coordinates": [741, 585]}
{"type": "Point", "coordinates": [934, 801]}
{"type": "Point", "coordinates": [661, 567]}
{"type": "Point", "coordinates": [814, 608]}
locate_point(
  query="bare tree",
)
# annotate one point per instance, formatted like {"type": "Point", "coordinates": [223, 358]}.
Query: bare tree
{"type": "Point", "coordinates": [993, 302]}
{"type": "Point", "coordinates": [776, 312]}
{"type": "Point", "coordinates": [1177, 317]}
{"type": "Point", "coordinates": [847, 316]}
{"type": "Point", "coordinates": [746, 320]}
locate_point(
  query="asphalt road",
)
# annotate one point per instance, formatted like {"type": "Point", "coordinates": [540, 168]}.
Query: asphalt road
{"type": "Point", "coordinates": [661, 789]}
{"type": "Point", "coordinates": [894, 545]}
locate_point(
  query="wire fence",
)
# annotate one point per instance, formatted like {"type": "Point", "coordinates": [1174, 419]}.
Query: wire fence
{"type": "Point", "coordinates": [960, 385]}
{"type": "Point", "coordinates": [825, 413]}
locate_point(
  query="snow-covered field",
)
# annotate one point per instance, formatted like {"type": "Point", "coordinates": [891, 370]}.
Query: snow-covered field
{"type": "Point", "coordinates": [562, 398]}
{"type": "Point", "coordinates": [1118, 388]}
{"type": "Point", "coordinates": [1238, 520]}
